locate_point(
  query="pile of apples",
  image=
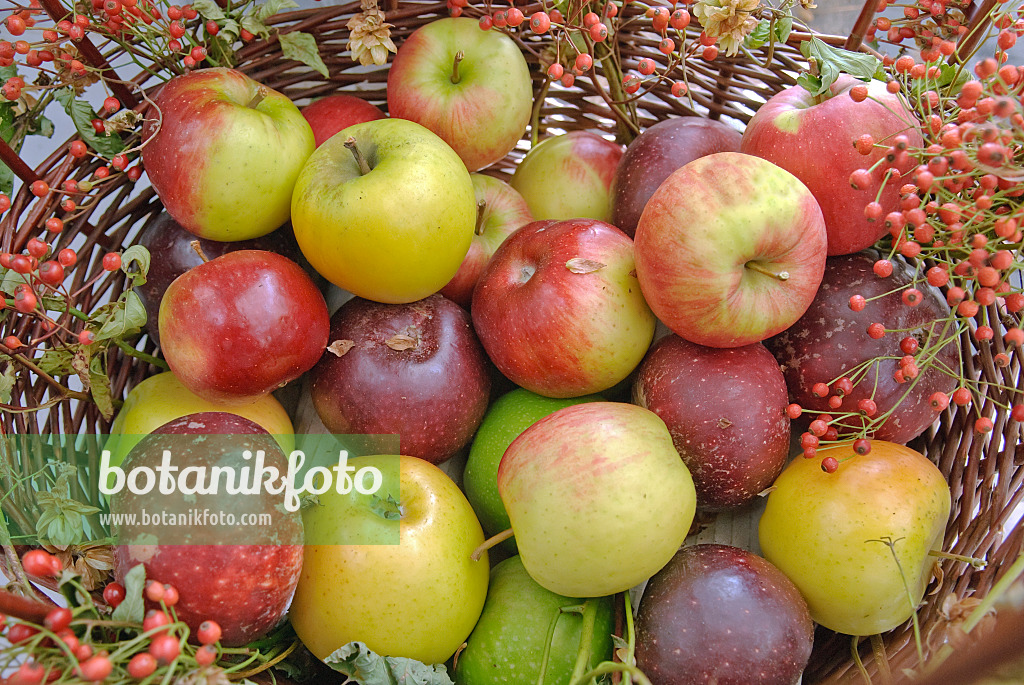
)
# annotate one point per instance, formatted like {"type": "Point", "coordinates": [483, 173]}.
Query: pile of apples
{"type": "Point", "coordinates": [556, 283]}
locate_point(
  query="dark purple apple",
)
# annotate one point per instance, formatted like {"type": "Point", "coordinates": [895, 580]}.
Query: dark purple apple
{"type": "Point", "coordinates": [244, 588]}
{"type": "Point", "coordinates": [171, 248]}
{"type": "Point", "coordinates": [726, 411]}
{"type": "Point", "coordinates": [416, 370]}
{"type": "Point", "coordinates": [831, 340]}
{"type": "Point", "coordinates": [723, 615]}
{"type": "Point", "coordinates": [655, 154]}
{"type": "Point", "coordinates": [242, 325]}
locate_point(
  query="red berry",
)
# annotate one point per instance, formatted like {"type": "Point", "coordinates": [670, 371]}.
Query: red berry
{"type": "Point", "coordinates": [67, 257]}
{"type": "Point", "coordinates": [584, 61]}
{"type": "Point", "coordinates": [1014, 337]}
{"type": "Point", "coordinates": [99, 126]}
{"type": "Point", "coordinates": [808, 441]}
{"type": "Point", "coordinates": [154, 617]}
{"type": "Point", "coordinates": [983, 425]}
{"type": "Point", "coordinates": [540, 22]}
{"type": "Point", "coordinates": [40, 188]}
{"type": "Point", "coordinates": [859, 93]}
{"type": "Point", "coordinates": [112, 262]}
{"type": "Point", "coordinates": [829, 464]}
{"type": "Point", "coordinates": [598, 32]}
{"type": "Point", "coordinates": [113, 594]}
{"type": "Point", "coordinates": [793, 411]}
{"type": "Point", "coordinates": [54, 225]}
{"type": "Point", "coordinates": [860, 179]}
{"type": "Point", "coordinates": [209, 632]}
{"type": "Point", "coordinates": [844, 386]}
{"type": "Point", "coordinates": [820, 390]}
{"type": "Point", "coordinates": [37, 248]}
{"type": "Point", "coordinates": [206, 655]}
{"type": "Point", "coordinates": [142, 665]}
{"type": "Point", "coordinates": [514, 17]}
{"type": "Point", "coordinates": [486, 23]}
{"type": "Point", "coordinates": [20, 632]}
{"type": "Point", "coordinates": [165, 648]}
{"type": "Point", "coordinates": [96, 669]}
{"type": "Point", "coordinates": [667, 46]}
{"type": "Point", "coordinates": [58, 619]}
{"type": "Point", "coordinates": [679, 89]}
{"type": "Point", "coordinates": [680, 19]}
{"type": "Point", "coordinates": [40, 563]}
{"type": "Point", "coordinates": [867, 407]}
{"type": "Point", "coordinates": [590, 19]}
{"type": "Point", "coordinates": [862, 446]}
{"type": "Point", "coordinates": [882, 268]}
{"type": "Point", "coordinates": [86, 337]}
{"type": "Point", "coordinates": [646, 66]}
{"type": "Point", "coordinates": [555, 71]}
{"type": "Point", "coordinates": [939, 401]}
{"type": "Point", "coordinates": [170, 595]}
{"type": "Point", "coordinates": [835, 402]}
{"type": "Point", "coordinates": [961, 397]}
{"type": "Point", "coordinates": [818, 427]}
{"type": "Point", "coordinates": [1017, 413]}
{"type": "Point", "coordinates": [912, 297]}
{"type": "Point", "coordinates": [857, 302]}
{"type": "Point", "coordinates": [876, 331]}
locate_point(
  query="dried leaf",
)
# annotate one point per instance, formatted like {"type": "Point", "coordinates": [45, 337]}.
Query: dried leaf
{"type": "Point", "coordinates": [340, 347]}
{"type": "Point", "coordinates": [581, 265]}
{"type": "Point", "coordinates": [401, 341]}
{"type": "Point", "coordinates": [369, 38]}
{"type": "Point", "coordinates": [724, 423]}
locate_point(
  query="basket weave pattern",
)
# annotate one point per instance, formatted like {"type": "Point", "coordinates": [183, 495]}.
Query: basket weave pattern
{"type": "Point", "coordinates": [984, 471]}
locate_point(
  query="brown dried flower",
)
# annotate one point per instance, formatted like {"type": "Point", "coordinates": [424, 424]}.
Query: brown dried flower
{"type": "Point", "coordinates": [369, 35]}
{"type": "Point", "coordinates": [92, 561]}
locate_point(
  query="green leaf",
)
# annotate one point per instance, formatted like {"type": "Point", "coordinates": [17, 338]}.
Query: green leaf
{"type": "Point", "coordinates": [209, 10]}
{"type": "Point", "coordinates": [82, 114]}
{"type": "Point", "coordinates": [132, 608]}
{"type": "Point", "coordinates": [835, 61]}
{"type": "Point", "coordinates": [760, 35]}
{"type": "Point", "coordinates": [810, 83]}
{"type": "Point", "coordinates": [361, 664]}
{"type": "Point", "coordinates": [42, 127]}
{"type": "Point", "coordinates": [62, 521]}
{"type": "Point", "coordinates": [6, 180]}
{"type": "Point", "coordinates": [7, 379]}
{"type": "Point", "coordinates": [56, 361]}
{"type": "Point", "coordinates": [229, 31]}
{"type": "Point", "coordinates": [388, 509]}
{"type": "Point", "coordinates": [272, 7]}
{"type": "Point", "coordinates": [302, 47]}
{"type": "Point", "coordinates": [139, 255]}
{"type": "Point", "coordinates": [783, 27]}
{"type": "Point", "coordinates": [11, 281]}
{"type": "Point", "coordinates": [126, 319]}
{"type": "Point", "coordinates": [255, 26]}
{"type": "Point", "coordinates": [99, 387]}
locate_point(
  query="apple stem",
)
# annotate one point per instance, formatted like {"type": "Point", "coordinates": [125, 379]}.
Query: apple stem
{"type": "Point", "coordinates": [779, 276]}
{"type": "Point", "coordinates": [973, 561]}
{"type": "Point", "coordinates": [364, 166]}
{"type": "Point", "coordinates": [491, 542]}
{"type": "Point", "coordinates": [459, 56]}
{"type": "Point", "coordinates": [481, 206]}
{"type": "Point", "coordinates": [198, 249]}
{"type": "Point", "coordinates": [261, 93]}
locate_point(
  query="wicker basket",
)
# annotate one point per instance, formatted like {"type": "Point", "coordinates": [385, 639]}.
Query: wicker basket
{"type": "Point", "coordinates": [984, 471]}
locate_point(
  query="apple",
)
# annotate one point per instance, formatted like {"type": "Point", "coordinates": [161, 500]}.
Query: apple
{"type": "Point", "coordinates": [816, 142]}
{"type": "Point", "coordinates": [386, 211]}
{"type": "Point", "coordinates": [598, 498]}
{"type": "Point", "coordinates": [161, 398]}
{"type": "Point", "coordinates": [411, 591]}
{"type": "Point", "coordinates": [569, 176]}
{"type": "Point", "coordinates": [172, 245]}
{"type": "Point", "coordinates": [831, 341]}
{"type": "Point", "coordinates": [331, 114]}
{"type": "Point", "coordinates": [508, 644]}
{"type": "Point", "coordinates": [559, 310]}
{"type": "Point", "coordinates": [730, 250]}
{"type": "Point", "coordinates": [726, 411]}
{"type": "Point", "coordinates": [856, 542]}
{"type": "Point", "coordinates": [655, 154]}
{"type": "Point", "coordinates": [244, 588]}
{"type": "Point", "coordinates": [470, 87]}
{"type": "Point", "coordinates": [416, 370]}
{"type": "Point", "coordinates": [224, 152]}
{"type": "Point", "coordinates": [241, 325]}
{"type": "Point", "coordinates": [721, 614]}
{"type": "Point", "coordinates": [506, 418]}
{"type": "Point", "coordinates": [500, 210]}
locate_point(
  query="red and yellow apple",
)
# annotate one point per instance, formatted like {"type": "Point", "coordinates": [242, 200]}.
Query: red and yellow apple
{"type": "Point", "coordinates": [331, 114]}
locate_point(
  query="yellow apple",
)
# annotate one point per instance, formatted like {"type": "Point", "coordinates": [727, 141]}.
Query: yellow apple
{"type": "Point", "coordinates": [830, 533]}
{"type": "Point", "coordinates": [419, 598]}
{"type": "Point", "coordinates": [162, 398]}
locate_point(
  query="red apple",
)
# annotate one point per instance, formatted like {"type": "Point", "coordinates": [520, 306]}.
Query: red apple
{"type": "Point", "coordinates": [559, 310]}
{"type": "Point", "coordinates": [241, 325]}
{"type": "Point", "coordinates": [721, 614]}
{"type": "Point", "coordinates": [816, 142]}
{"type": "Point", "coordinates": [413, 369]}
{"type": "Point", "coordinates": [655, 154]}
{"type": "Point", "coordinates": [470, 87]}
{"type": "Point", "coordinates": [213, 124]}
{"type": "Point", "coordinates": [244, 588]}
{"type": "Point", "coordinates": [830, 341]}
{"type": "Point", "coordinates": [330, 114]}
{"type": "Point", "coordinates": [730, 250]}
{"type": "Point", "coordinates": [569, 176]}
{"type": "Point", "coordinates": [172, 245]}
{"type": "Point", "coordinates": [726, 411]}
{"type": "Point", "coordinates": [500, 211]}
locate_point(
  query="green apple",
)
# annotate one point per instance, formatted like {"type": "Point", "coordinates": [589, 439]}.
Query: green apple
{"type": "Point", "coordinates": [469, 86]}
{"type": "Point", "coordinates": [831, 533]}
{"type": "Point", "coordinates": [569, 176]}
{"type": "Point", "coordinates": [508, 643]}
{"type": "Point", "coordinates": [224, 152]}
{"type": "Point", "coordinates": [162, 398]}
{"type": "Point", "coordinates": [506, 418]}
{"type": "Point", "coordinates": [412, 590]}
{"type": "Point", "coordinates": [598, 498]}
{"type": "Point", "coordinates": [386, 210]}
